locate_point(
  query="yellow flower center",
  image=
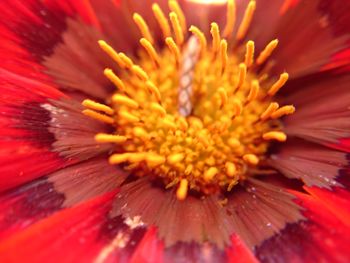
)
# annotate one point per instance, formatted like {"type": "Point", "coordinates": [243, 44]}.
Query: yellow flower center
{"type": "Point", "coordinates": [194, 113]}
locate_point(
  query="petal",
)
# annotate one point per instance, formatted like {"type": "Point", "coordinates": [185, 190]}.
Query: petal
{"type": "Point", "coordinates": [315, 165]}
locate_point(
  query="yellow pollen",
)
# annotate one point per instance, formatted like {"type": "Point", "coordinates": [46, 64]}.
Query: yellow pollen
{"type": "Point", "coordinates": [230, 18]}
{"type": "Point", "coordinates": [123, 100]}
{"type": "Point", "coordinates": [270, 109]}
{"type": "Point", "coordinates": [247, 19]}
{"type": "Point", "coordinates": [181, 192]}
{"type": "Point", "coordinates": [173, 48]}
{"type": "Point", "coordinates": [249, 55]}
{"type": "Point", "coordinates": [179, 35]}
{"type": "Point", "coordinates": [98, 107]}
{"type": "Point", "coordinates": [285, 110]}
{"type": "Point", "coordinates": [162, 20]}
{"type": "Point", "coordinates": [150, 50]}
{"type": "Point", "coordinates": [174, 6]}
{"type": "Point", "coordinates": [278, 84]}
{"type": "Point", "coordinates": [275, 135]}
{"type": "Point", "coordinates": [193, 114]}
{"type": "Point", "coordinates": [223, 55]}
{"type": "Point", "coordinates": [266, 53]}
{"type": "Point", "coordinates": [215, 33]}
{"type": "Point", "coordinates": [111, 52]}
{"type": "Point", "coordinates": [110, 138]}
{"type": "Point", "coordinates": [114, 79]}
{"type": "Point", "coordinates": [143, 27]}
{"type": "Point", "coordinates": [201, 37]}
{"type": "Point", "coordinates": [98, 116]}
{"type": "Point", "coordinates": [126, 60]}
{"type": "Point", "coordinates": [251, 159]}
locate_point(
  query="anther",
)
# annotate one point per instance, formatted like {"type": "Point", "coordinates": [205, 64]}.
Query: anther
{"type": "Point", "coordinates": [210, 173]}
{"type": "Point", "coordinates": [266, 53]}
{"type": "Point", "coordinates": [143, 27]}
{"type": "Point", "coordinates": [169, 124]}
{"type": "Point", "coordinates": [124, 100]}
{"type": "Point", "coordinates": [175, 158]}
{"type": "Point", "coordinates": [230, 18]}
{"type": "Point", "coordinates": [154, 90]}
{"type": "Point", "coordinates": [238, 107]}
{"type": "Point", "coordinates": [128, 116]}
{"type": "Point", "coordinates": [162, 20]}
{"type": "Point", "coordinates": [215, 33]}
{"type": "Point", "coordinates": [140, 133]}
{"type": "Point", "coordinates": [111, 52]}
{"type": "Point", "coordinates": [158, 108]}
{"type": "Point", "coordinates": [126, 60]}
{"type": "Point", "coordinates": [110, 138]}
{"type": "Point", "coordinates": [230, 169]}
{"type": "Point", "coordinates": [150, 50]}
{"type": "Point", "coordinates": [278, 84]}
{"type": "Point", "coordinates": [174, 6]}
{"type": "Point", "coordinates": [114, 79]}
{"type": "Point", "coordinates": [179, 35]}
{"type": "Point", "coordinates": [201, 37]}
{"type": "Point", "coordinates": [139, 72]}
{"type": "Point", "coordinates": [98, 107]}
{"type": "Point", "coordinates": [98, 116]}
{"type": "Point", "coordinates": [223, 96]}
{"type": "Point", "coordinates": [247, 19]}
{"type": "Point", "coordinates": [242, 73]}
{"type": "Point", "coordinates": [270, 109]}
{"type": "Point", "coordinates": [118, 158]}
{"type": "Point", "coordinates": [173, 48]}
{"type": "Point", "coordinates": [154, 160]}
{"type": "Point", "coordinates": [251, 159]}
{"type": "Point", "coordinates": [254, 91]}
{"type": "Point", "coordinates": [249, 54]}
{"type": "Point", "coordinates": [223, 55]}
{"type": "Point", "coordinates": [275, 135]}
{"type": "Point", "coordinates": [285, 110]}
{"type": "Point", "coordinates": [181, 192]}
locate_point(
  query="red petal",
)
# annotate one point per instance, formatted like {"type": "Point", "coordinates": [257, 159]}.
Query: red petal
{"type": "Point", "coordinates": [336, 200]}
{"type": "Point", "coordinates": [69, 236]}
{"type": "Point", "coordinates": [239, 252]}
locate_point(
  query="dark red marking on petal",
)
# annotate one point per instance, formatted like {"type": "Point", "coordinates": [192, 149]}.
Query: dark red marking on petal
{"type": "Point", "coordinates": [68, 236]}
{"type": "Point", "coordinates": [320, 238]}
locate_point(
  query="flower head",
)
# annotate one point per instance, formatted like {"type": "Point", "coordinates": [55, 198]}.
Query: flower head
{"type": "Point", "coordinates": [174, 131]}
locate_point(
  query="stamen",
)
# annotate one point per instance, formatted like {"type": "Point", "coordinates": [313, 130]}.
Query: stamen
{"type": "Point", "coordinates": [124, 115]}
{"type": "Point", "coordinates": [118, 158]}
{"type": "Point", "coordinates": [249, 55]}
{"type": "Point", "coordinates": [162, 20]}
{"type": "Point", "coordinates": [251, 159]}
{"type": "Point", "coordinates": [201, 37]}
{"type": "Point", "coordinates": [247, 19]}
{"type": "Point", "coordinates": [154, 160]}
{"type": "Point", "coordinates": [266, 53]}
{"type": "Point", "coordinates": [150, 50]}
{"type": "Point", "coordinates": [230, 169]}
{"type": "Point", "coordinates": [175, 158]}
{"type": "Point", "coordinates": [181, 192]}
{"type": "Point", "coordinates": [114, 79]}
{"type": "Point", "coordinates": [127, 61]}
{"type": "Point", "coordinates": [111, 52]}
{"type": "Point", "coordinates": [126, 101]}
{"type": "Point", "coordinates": [285, 110]}
{"type": "Point", "coordinates": [138, 71]}
{"type": "Point", "coordinates": [154, 90]}
{"type": "Point", "coordinates": [275, 135]}
{"type": "Point", "coordinates": [237, 106]}
{"type": "Point", "coordinates": [242, 73]}
{"type": "Point", "coordinates": [143, 27]}
{"type": "Point", "coordinates": [98, 116]}
{"type": "Point", "coordinates": [278, 84]}
{"type": "Point", "coordinates": [223, 97]}
{"type": "Point", "coordinates": [174, 6]}
{"type": "Point", "coordinates": [223, 55]}
{"type": "Point", "coordinates": [173, 48]}
{"type": "Point", "coordinates": [98, 107]}
{"type": "Point", "coordinates": [215, 32]}
{"type": "Point", "coordinates": [230, 18]}
{"type": "Point", "coordinates": [210, 173]}
{"type": "Point", "coordinates": [254, 91]}
{"type": "Point", "coordinates": [270, 109]}
{"type": "Point", "coordinates": [110, 138]}
{"type": "Point", "coordinates": [179, 35]}
{"type": "Point", "coordinates": [158, 108]}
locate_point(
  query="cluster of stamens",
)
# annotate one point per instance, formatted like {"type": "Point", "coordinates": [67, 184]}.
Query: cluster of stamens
{"type": "Point", "coordinates": [195, 115]}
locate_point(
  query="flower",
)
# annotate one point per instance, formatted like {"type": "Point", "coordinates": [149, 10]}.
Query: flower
{"type": "Point", "coordinates": [126, 138]}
